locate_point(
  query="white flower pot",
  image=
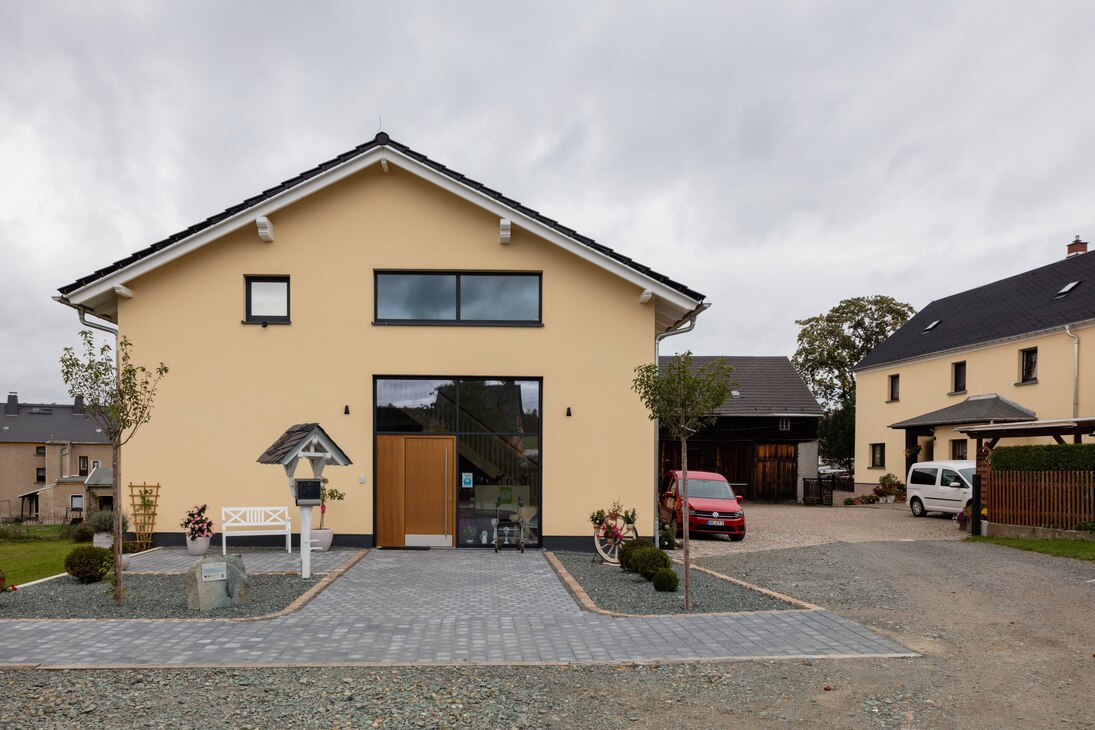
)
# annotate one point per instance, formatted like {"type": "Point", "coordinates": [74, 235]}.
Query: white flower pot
{"type": "Point", "coordinates": [197, 546]}
{"type": "Point", "coordinates": [103, 539]}
{"type": "Point", "coordinates": [322, 538]}
{"type": "Point", "coordinates": [984, 528]}
{"type": "Point", "coordinates": [125, 561]}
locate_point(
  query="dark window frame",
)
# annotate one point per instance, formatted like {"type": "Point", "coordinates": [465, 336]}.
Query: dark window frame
{"type": "Point", "coordinates": [879, 450]}
{"type": "Point", "coordinates": [458, 321]}
{"type": "Point", "coordinates": [893, 388]}
{"type": "Point", "coordinates": [82, 461]}
{"type": "Point", "coordinates": [39, 450]}
{"type": "Point", "coordinates": [40, 475]}
{"type": "Point", "coordinates": [264, 320]}
{"type": "Point", "coordinates": [959, 449]}
{"type": "Point", "coordinates": [1028, 366]}
{"type": "Point", "coordinates": [957, 385]}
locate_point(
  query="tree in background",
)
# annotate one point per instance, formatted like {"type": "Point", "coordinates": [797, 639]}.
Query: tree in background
{"type": "Point", "coordinates": [118, 397]}
{"type": "Point", "coordinates": [683, 400]}
{"type": "Point", "coordinates": [829, 346]}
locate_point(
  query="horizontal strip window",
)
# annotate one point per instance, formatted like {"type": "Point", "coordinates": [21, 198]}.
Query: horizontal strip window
{"type": "Point", "coordinates": [413, 297]}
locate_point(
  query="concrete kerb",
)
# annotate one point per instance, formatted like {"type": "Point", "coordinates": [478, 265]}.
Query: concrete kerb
{"type": "Point", "coordinates": [293, 607]}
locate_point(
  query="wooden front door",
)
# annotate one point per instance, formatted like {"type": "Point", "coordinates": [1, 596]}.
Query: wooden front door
{"type": "Point", "coordinates": [415, 480]}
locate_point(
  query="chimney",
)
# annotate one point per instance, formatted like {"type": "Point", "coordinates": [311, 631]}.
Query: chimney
{"type": "Point", "coordinates": [12, 407]}
{"type": "Point", "coordinates": [78, 406]}
{"type": "Point", "coordinates": [1076, 247]}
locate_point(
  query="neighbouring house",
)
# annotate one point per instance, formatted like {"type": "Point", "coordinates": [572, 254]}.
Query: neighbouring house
{"type": "Point", "coordinates": [764, 440]}
{"type": "Point", "coordinates": [1017, 350]}
{"type": "Point", "coordinates": [468, 353]}
{"type": "Point", "coordinates": [44, 448]}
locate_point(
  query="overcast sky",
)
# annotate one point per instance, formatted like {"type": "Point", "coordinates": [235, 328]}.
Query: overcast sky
{"type": "Point", "coordinates": [776, 156]}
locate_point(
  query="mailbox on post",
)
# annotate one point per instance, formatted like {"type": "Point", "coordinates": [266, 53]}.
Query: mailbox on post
{"type": "Point", "coordinates": [308, 492]}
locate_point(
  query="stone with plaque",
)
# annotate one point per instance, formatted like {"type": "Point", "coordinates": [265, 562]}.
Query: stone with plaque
{"type": "Point", "coordinates": [217, 581]}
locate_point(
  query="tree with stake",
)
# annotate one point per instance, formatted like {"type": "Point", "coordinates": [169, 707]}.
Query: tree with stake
{"type": "Point", "coordinates": [683, 400]}
{"type": "Point", "coordinates": [118, 396]}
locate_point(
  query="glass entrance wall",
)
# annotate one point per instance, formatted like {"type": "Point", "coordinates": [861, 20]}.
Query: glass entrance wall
{"type": "Point", "coordinates": [497, 425]}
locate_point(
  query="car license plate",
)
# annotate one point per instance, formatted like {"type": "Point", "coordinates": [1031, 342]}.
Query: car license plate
{"type": "Point", "coordinates": [716, 523]}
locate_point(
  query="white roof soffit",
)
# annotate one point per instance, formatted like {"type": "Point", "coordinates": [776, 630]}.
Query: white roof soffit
{"type": "Point", "coordinates": [96, 293]}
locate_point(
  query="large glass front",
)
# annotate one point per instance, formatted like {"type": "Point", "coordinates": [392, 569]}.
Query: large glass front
{"type": "Point", "coordinates": [496, 422]}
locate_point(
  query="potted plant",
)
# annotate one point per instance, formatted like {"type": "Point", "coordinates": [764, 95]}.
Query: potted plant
{"type": "Point", "coordinates": [322, 536]}
{"type": "Point", "coordinates": [469, 532]}
{"type": "Point", "coordinates": [199, 530]}
{"type": "Point", "coordinates": [102, 525]}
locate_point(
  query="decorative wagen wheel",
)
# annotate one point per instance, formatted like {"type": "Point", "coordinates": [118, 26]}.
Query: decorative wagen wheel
{"type": "Point", "coordinates": [611, 535]}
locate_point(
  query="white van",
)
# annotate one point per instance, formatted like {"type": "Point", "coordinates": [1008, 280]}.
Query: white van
{"type": "Point", "coordinates": [940, 486]}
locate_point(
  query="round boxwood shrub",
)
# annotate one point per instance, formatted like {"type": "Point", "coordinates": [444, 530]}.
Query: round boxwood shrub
{"type": "Point", "coordinates": [666, 580]}
{"type": "Point", "coordinates": [82, 533]}
{"type": "Point", "coordinates": [628, 549]}
{"type": "Point", "coordinates": [647, 562]}
{"type": "Point", "coordinates": [88, 564]}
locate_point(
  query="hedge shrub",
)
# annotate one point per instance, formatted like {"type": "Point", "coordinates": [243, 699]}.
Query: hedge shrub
{"type": "Point", "coordinates": [628, 549]}
{"type": "Point", "coordinates": [647, 562]}
{"type": "Point", "coordinates": [1053, 457]}
{"type": "Point", "coordinates": [666, 580]}
{"type": "Point", "coordinates": [89, 564]}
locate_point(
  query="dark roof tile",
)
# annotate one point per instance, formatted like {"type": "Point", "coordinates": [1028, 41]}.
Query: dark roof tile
{"type": "Point", "coordinates": [766, 386]}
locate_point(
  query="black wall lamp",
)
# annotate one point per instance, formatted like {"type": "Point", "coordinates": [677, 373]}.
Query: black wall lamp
{"type": "Point", "coordinates": [346, 410]}
{"type": "Point", "coordinates": [568, 411]}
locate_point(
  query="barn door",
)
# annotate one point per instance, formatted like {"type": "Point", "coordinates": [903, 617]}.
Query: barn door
{"type": "Point", "coordinates": [775, 471]}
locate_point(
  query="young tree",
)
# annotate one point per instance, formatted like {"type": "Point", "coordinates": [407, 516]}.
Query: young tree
{"type": "Point", "coordinates": [118, 396]}
{"type": "Point", "coordinates": [683, 399]}
{"type": "Point", "coordinates": [829, 346]}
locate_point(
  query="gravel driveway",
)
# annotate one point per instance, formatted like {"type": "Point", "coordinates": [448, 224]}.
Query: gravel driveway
{"type": "Point", "coordinates": [1007, 640]}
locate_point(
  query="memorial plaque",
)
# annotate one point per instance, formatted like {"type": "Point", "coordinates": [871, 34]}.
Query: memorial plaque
{"type": "Point", "coordinates": [214, 571]}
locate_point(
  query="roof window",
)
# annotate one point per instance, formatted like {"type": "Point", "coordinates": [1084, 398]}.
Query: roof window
{"type": "Point", "coordinates": [931, 326]}
{"type": "Point", "coordinates": [735, 394]}
{"type": "Point", "coordinates": [1066, 289]}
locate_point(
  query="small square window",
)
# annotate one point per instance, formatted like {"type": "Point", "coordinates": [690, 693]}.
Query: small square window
{"type": "Point", "coordinates": [894, 389]}
{"type": "Point", "coordinates": [785, 424]}
{"type": "Point", "coordinates": [878, 456]}
{"type": "Point", "coordinates": [1028, 365]}
{"type": "Point", "coordinates": [94, 463]}
{"type": "Point", "coordinates": [39, 450]}
{"type": "Point", "coordinates": [76, 501]}
{"type": "Point", "coordinates": [267, 300]}
{"type": "Point", "coordinates": [958, 377]}
{"type": "Point", "coordinates": [959, 449]}
{"type": "Point", "coordinates": [40, 476]}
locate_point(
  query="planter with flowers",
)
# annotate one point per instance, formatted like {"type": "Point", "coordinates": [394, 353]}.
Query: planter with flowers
{"type": "Point", "coordinates": [611, 529]}
{"type": "Point", "coordinates": [5, 587]}
{"type": "Point", "coordinates": [199, 530]}
{"type": "Point", "coordinates": [322, 537]}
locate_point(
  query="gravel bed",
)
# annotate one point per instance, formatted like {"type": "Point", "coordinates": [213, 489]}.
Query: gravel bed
{"type": "Point", "coordinates": [146, 596]}
{"type": "Point", "coordinates": [615, 590]}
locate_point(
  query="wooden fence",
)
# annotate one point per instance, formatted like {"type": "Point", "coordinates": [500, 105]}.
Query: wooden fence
{"type": "Point", "coordinates": [1059, 499]}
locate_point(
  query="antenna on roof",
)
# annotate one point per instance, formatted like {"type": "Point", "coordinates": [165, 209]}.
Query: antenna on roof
{"type": "Point", "coordinates": [380, 127]}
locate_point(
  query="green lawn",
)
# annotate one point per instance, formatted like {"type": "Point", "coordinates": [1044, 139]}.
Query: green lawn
{"type": "Point", "coordinates": [1081, 549]}
{"type": "Point", "coordinates": [23, 562]}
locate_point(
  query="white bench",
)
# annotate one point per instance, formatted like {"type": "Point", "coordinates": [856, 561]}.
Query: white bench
{"type": "Point", "coordinates": [256, 521]}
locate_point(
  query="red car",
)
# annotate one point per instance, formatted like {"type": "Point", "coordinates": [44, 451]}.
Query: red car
{"type": "Point", "coordinates": [715, 509]}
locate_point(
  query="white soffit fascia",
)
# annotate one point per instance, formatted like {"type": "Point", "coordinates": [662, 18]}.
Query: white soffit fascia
{"type": "Point", "coordinates": [338, 173]}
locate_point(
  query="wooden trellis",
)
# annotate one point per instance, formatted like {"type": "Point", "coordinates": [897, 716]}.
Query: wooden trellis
{"type": "Point", "coordinates": [145, 499]}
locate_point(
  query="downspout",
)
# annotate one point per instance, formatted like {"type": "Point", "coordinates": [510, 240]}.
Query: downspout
{"type": "Point", "coordinates": [1075, 371]}
{"type": "Point", "coordinates": [657, 427]}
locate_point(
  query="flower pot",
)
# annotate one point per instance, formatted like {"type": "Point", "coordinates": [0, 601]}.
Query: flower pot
{"type": "Point", "coordinates": [125, 561]}
{"type": "Point", "coordinates": [103, 539]}
{"type": "Point", "coordinates": [197, 546]}
{"type": "Point", "coordinates": [322, 538]}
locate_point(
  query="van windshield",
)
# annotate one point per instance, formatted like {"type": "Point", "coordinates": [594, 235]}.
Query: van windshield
{"type": "Point", "coordinates": [708, 489]}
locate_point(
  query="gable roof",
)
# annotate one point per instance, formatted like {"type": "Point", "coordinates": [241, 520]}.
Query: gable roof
{"type": "Point", "coordinates": [1019, 305]}
{"type": "Point", "coordinates": [988, 408]}
{"type": "Point", "coordinates": [96, 290]}
{"type": "Point", "coordinates": [39, 423]}
{"type": "Point", "coordinates": [767, 386]}
{"type": "Point", "coordinates": [290, 444]}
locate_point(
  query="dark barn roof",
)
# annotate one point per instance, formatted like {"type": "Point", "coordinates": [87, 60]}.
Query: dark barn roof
{"type": "Point", "coordinates": [1019, 305]}
{"type": "Point", "coordinates": [767, 386]}
{"type": "Point", "coordinates": [381, 139]}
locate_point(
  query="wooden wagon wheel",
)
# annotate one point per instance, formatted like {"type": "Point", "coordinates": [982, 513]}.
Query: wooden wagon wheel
{"type": "Point", "coordinates": [606, 541]}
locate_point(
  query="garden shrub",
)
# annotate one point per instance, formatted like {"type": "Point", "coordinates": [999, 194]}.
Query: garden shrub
{"type": "Point", "coordinates": [65, 531]}
{"type": "Point", "coordinates": [1052, 457]}
{"type": "Point", "coordinates": [849, 500]}
{"type": "Point", "coordinates": [666, 537]}
{"type": "Point", "coordinates": [628, 549]}
{"type": "Point", "coordinates": [666, 580]}
{"type": "Point", "coordinates": [1086, 526]}
{"type": "Point", "coordinates": [648, 561]}
{"type": "Point", "coordinates": [103, 521]}
{"type": "Point", "coordinates": [89, 564]}
{"type": "Point", "coordinates": [868, 498]}
{"type": "Point", "coordinates": [82, 533]}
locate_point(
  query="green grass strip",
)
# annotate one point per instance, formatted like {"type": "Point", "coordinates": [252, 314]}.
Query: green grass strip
{"type": "Point", "coordinates": [23, 562]}
{"type": "Point", "coordinates": [1079, 549]}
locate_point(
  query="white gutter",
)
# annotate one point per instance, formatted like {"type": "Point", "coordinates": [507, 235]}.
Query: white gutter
{"type": "Point", "coordinates": [1075, 371]}
{"type": "Point", "coordinates": [657, 427]}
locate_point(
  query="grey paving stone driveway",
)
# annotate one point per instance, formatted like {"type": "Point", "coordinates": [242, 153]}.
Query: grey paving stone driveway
{"type": "Point", "coordinates": [395, 607]}
{"type": "Point", "coordinates": [178, 560]}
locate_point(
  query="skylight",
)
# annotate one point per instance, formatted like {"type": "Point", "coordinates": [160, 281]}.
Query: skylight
{"type": "Point", "coordinates": [735, 394]}
{"type": "Point", "coordinates": [1066, 289]}
{"type": "Point", "coordinates": [931, 326]}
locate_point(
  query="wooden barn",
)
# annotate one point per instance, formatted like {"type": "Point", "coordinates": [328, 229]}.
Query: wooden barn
{"type": "Point", "coordinates": [765, 439]}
